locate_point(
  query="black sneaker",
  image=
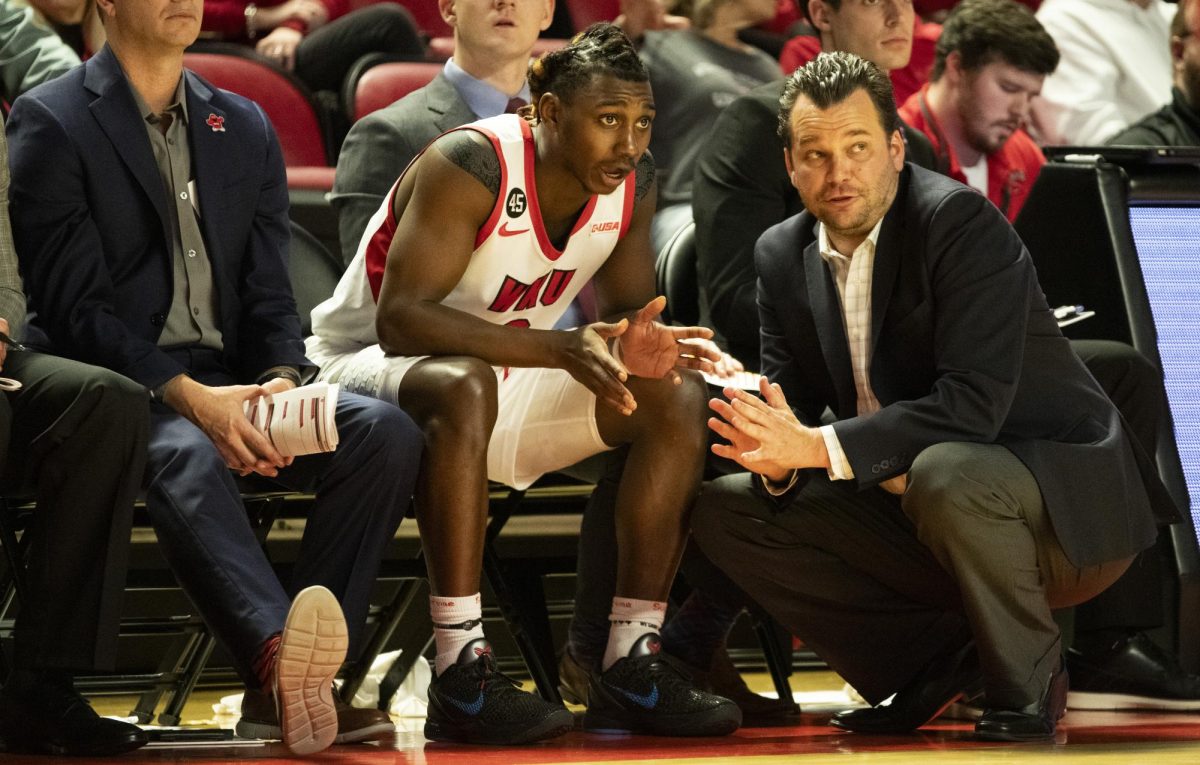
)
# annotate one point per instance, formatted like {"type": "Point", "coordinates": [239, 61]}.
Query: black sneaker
{"type": "Point", "coordinates": [642, 693]}
{"type": "Point", "coordinates": [472, 703]}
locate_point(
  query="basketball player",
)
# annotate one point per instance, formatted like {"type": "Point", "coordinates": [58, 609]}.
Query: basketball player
{"type": "Point", "coordinates": [447, 310]}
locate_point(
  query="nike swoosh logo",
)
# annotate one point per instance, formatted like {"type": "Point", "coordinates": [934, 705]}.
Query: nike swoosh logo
{"type": "Point", "coordinates": [647, 701]}
{"type": "Point", "coordinates": [476, 706]}
{"type": "Point", "coordinates": [506, 231]}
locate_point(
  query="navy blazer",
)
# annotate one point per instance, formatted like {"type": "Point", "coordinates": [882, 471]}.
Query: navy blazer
{"type": "Point", "coordinates": [965, 348]}
{"type": "Point", "coordinates": [93, 234]}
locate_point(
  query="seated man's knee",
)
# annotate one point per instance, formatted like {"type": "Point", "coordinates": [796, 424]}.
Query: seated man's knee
{"type": "Point", "coordinates": [677, 408]}
{"type": "Point", "coordinates": [122, 400]}
{"type": "Point", "coordinates": [940, 478]}
{"type": "Point", "coordinates": [452, 399]}
{"type": "Point", "coordinates": [187, 450]}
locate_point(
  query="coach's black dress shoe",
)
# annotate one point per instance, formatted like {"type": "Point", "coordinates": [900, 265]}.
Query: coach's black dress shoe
{"type": "Point", "coordinates": [43, 714]}
{"type": "Point", "coordinates": [1034, 722]}
{"type": "Point", "coordinates": [940, 684]}
{"type": "Point", "coordinates": [1130, 671]}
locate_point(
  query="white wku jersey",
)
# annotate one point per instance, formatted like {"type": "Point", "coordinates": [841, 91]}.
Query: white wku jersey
{"type": "Point", "coordinates": [515, 276]}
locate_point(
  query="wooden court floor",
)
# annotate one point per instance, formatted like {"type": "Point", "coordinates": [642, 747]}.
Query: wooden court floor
{"type": "Point", "coordinates": [1084, 737]}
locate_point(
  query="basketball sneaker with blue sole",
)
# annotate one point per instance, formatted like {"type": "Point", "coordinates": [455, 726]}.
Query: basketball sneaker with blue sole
{"type": "Point", "coordinates": [472, 703]}
{"type": "Point", "coordinates": [643, 693]}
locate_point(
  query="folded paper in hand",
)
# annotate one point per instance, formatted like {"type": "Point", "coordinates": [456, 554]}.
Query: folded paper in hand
{"type": "Point", "coordinates": [298, 421]}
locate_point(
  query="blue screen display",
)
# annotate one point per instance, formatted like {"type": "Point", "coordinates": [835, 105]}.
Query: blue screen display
{"type": "Point", "coordinates": [1168, 248]}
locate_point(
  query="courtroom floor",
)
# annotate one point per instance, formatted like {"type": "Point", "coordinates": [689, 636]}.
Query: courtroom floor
{"type": "Point", "coordinates": [1084, 737]}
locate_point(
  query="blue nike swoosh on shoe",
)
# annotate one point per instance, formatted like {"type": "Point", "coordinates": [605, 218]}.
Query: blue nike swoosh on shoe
{"type": "Point", "coordinates": [476, 706]}
{"type": "Point", "coordinates": [647, 701]}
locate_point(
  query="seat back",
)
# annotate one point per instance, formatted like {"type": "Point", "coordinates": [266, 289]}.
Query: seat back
{"type": "Point", "coordinates": [288, 103]}
{"type": "Point", "coordinates": [380, 83]}
{"type": "Point", "coordinates": [677, 277]}
{"type": "Point", "coordinates": [314, 274]}
{"type": "Point", "coordinates": [585, 12]}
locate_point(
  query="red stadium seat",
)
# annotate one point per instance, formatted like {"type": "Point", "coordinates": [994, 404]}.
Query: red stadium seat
{"type": "Point", "coordinates": [585, 12]}
{"type": "Point", "coordinates": [384, 83]}
{"type": "Point", "coordinates": [285, 99]}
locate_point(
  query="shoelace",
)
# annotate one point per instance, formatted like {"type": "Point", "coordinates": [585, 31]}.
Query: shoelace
{"type": "Point", "coordinates": [489, 676]}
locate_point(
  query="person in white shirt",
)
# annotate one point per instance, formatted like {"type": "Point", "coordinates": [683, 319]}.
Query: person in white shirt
{"type": "Point", "coordinates": [1115, 68]}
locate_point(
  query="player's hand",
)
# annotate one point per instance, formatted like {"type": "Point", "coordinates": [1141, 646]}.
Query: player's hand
{"type": "Point", "coordinates": [219, 412]}
{"type": "Point", "coordinates": [652, 349]}
{"type": "Point", "coordinates": [725, 366]}
{"type": "Point", "coordinates": [585, 355]}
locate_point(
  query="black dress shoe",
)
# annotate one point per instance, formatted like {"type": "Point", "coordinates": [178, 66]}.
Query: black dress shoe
{"type": "Point", "coordinates": [1034, 722]}
{"type": "Point", "coordinates": [938, 686]}
{"type": "Point", "coordinates": [1131, 672]}
{"type": "Point", "coordinates": [50, 717]}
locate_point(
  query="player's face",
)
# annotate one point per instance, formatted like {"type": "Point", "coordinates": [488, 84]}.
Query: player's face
{"type": "Point", "coordinates": [604, 131]}
{"type": "Point", "coordinates": [154, 24]}
{"type": "Point", "coordinates": [844, 165]}
{"type": "Point", "coordinates": [994, 102]}
{"type": "Point", "coordinates": [501, 28]}
{"type": "Point", "coordinates": [879, 31]}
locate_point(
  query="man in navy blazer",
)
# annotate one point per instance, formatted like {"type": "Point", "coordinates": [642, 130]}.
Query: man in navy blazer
{"type": "Point", "coordinates": [974, 477]}
{"type": "Point", "coordinates": [150, 212]}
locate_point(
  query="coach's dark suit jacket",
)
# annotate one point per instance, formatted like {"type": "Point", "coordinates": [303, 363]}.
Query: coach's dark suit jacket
{"type": "Point", "coordinates": [93, 233]}
{"type": "Point", "coordinates": [965, 349]}
{"type": "Point", "coordinates": [381, 145]}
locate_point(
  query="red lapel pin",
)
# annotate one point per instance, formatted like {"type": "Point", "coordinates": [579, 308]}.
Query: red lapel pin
{"type": "Point", "coordinates": [216, 122]}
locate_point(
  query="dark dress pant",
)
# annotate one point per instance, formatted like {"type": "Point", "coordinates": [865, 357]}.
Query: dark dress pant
{"type": "Point", "coordinates": [363, 490]}
{"type": "Point", "coordinates": [879, 586]}
{"type": "Point", "coordinates": [75, 435]}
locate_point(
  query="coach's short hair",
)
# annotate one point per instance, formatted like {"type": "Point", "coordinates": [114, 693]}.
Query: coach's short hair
{"type": "Point", "coordinates": [831, 78]}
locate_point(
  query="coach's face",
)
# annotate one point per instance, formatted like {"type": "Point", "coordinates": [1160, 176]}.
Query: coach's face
{"type": "Point", "coordinates": [844, 165]}
{"type": "Point", "coordinates": [153, 24]}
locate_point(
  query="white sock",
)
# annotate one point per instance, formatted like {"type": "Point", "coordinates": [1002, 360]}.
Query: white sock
{"type": "Point", "coordinates": [456, 622]}
{"type": "Point", "coordinates": [629, 620]}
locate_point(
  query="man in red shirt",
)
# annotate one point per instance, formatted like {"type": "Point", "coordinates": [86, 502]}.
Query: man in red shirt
{"type": "Point", "coordinates": [991, 61]}
{"type": "Point", "coordinates": [887, 33]}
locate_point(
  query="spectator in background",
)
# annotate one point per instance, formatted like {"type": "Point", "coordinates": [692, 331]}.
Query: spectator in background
{"type": "Point", "coordinates": [1115, 68]}
{"type": "Point", "coordinates": [30, 54]}
{"type": "Point", "coordinates": [885, 32]}
{"type": "Point", "coordinates": [992, 59]}
{"type": "Point", "coordinates": [695, 74]}
{"type": "Point", "coordinates": [76, 436]}
{"type": "Point", "coordinates": [75, 21]}
{"type": "Point", "coordinates": [318, 40]}
{"type": "Point", "coordinates": [150, 216]}
{"type": "Point", "coordinates": [1177, 123]}
{"type": "Point", "coordinates": [484, 77]}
